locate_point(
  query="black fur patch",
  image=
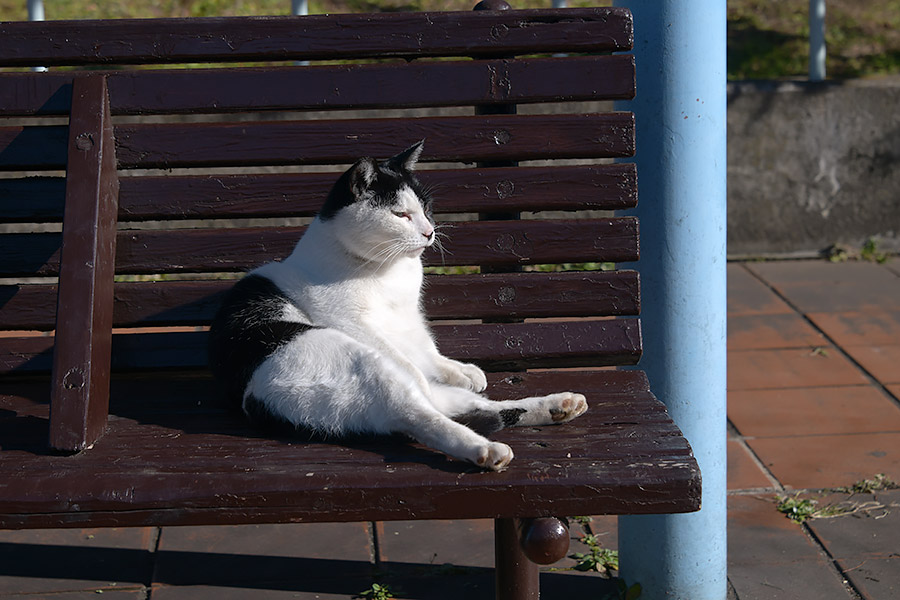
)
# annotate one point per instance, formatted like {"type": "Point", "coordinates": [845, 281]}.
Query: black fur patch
{"type": "Point", "coordinates": [486, 422]}
{"type": "Point", "coordinates": [382, 191]}
{"type": "Point", "coordinates": [511, 416]}
{"type": "Point", "coordinates": [482, 422]}
{"type": "Point", "coordinates": [247, 329]}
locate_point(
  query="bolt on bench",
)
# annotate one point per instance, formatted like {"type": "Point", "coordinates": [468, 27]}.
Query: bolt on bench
{"type": "Point", "coordinates": [131, 198]}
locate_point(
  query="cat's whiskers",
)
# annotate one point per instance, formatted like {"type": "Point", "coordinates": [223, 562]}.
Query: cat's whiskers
{"type": "Point", "coordinates": [439, 237]}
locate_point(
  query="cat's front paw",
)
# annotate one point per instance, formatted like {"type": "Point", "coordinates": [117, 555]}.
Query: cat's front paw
{"type": "Point", "coordinates": [464, 375]}
{"type": "Point", "coordinates": [494, 456]}
{"type": "Point", "coordinates": [477, 378]}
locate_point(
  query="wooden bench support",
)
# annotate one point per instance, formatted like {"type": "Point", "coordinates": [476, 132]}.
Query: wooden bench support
{"type": "Point", "coordinates": [517, 578]}
{"type": "Point", "coordinates": [81, 359]}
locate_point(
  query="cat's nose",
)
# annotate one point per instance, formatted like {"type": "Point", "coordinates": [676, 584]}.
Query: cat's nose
{"type": "Point", "coordinates": [429, 233]}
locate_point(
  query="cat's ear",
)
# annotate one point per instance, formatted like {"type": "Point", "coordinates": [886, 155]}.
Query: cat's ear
{"type": "Point", "coordinates": [362, 174]}
{"type": "Point", "coordinates": [406, 160]}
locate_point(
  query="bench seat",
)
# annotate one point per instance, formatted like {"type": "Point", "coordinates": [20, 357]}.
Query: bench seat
{"type": "Point", "coordinates": [173, 455]}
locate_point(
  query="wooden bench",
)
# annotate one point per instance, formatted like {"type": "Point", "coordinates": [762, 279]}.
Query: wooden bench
{"type": "Point", "coordinates": [131, 198]}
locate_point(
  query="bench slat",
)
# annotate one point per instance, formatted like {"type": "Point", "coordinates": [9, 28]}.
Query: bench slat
{"type": "Point", "coordinates": [495, 346]}
{"type": "Point", "coordinates": [314, 37]}
{"type": "Point", "coordinates": [475, 296]}
{"type": "Point", "coordinates": [459, 139]}
{"type": "Point", "coordinates": [579, 187]}
{"type": "Point", "coordinates": [32, 199]}
{"type": "Point", "coordinates": [25, 147]}
{"type": "Point", "coordinates": [241, 249]}
{"type": "Point", "coordinates": [473, 243]}
{"type": "Point", "coordinates": [415, 85]}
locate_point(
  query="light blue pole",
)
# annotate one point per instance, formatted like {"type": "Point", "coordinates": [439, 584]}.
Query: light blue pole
{"type": "Point", "coordinates": [816, 40]}
{"type": "Point", "coordinates": [36, 13]}
{"type": "Point", "coordinates": [680, 110]}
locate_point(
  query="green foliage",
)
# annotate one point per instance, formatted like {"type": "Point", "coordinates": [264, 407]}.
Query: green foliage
{"type": "Point", "coordinates": [377, 592]}
{"type": "Point", "coordinates": [797, 508]}
{"type": "Point", "coordinates": [629, 592]}
{"type": "Point", "coordinates": [868, 486]}
{"type": "Point", "coordinates": [800, 508]}
{"type": "Point", "coordinates": [596, 558]}
{"type": "Point", "coordinates": [871, 253]}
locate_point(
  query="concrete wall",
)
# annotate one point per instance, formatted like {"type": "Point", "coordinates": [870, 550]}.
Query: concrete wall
{"type": "Point", "coordinates": [810, 165]}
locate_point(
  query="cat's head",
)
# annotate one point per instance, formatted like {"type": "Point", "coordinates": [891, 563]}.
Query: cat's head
{"type": "Point", "coordinates": [379, 209]}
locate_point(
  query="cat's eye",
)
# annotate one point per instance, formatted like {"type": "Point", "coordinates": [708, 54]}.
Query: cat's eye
{"type": "Point", "coordinates": [402, 215]}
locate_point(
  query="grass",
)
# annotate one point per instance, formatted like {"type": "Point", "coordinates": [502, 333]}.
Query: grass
{"type": "Point", "coordinates": [801, 507]}
{"type": "Point", "coordinates": [766, 40]}
{"type": "Point", "coordinates": [769, 40]}
{"type": "Point", "coordinates": [376, 592]}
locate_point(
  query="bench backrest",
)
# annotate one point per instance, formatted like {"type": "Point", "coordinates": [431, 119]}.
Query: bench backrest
{"type": "Point", "coordinates": [168, 182]}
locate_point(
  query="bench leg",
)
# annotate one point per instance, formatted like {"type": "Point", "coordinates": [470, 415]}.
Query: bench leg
{"type": "Point", "coordinates": [516, 576]}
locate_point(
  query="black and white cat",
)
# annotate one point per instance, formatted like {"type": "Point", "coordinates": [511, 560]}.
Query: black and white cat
{"type": "Point", "coordinates": [333, 340]}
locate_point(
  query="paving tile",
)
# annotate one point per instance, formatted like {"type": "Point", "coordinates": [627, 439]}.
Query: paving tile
{"type": "Point", "coordinates": [807, 580]}
{"type": "Point", "coordinates": [813, 411]}
{"type": "Point", "coordinates": [467, 543]}
{"type": "Point", "coordinates": [237, 554]}
{"type": "Point", "coordinates": [817, 271]}
{"type": "Point", "coordinates": [743, 472]}
{"type": "Point", "coordinates": [893, 265]}
{"type": "Point", "coordinates": [771, 558]}
{"type": "Point", "coordinates": [870, 532]}
{"type": "Point", "coordinates": [882, 362]}
{"type": "Point", "coordinates": [820, 286]}
{"type": "Point", "coordinates": [338, 588]}
{"type": "Point", "coordinates": [747, 295]}
{"type": "Point", "coordinates": [829, 460]}
{"type": "Point", "coordinates": [760, 332]}
{"type": "Point", "coordinates": [875, 578]}
{"type": "Point", "coordinates": [895, 390]}
{"type": "Point", "coordinates": [877, 327]}
{"type": "Point", "coordinates": [797, 367]}
{"type": "Point", "coordinates": [107, 594]}
{"type": "Point", "coordinates": [63, 560]}
{"type": "Point", "coordinates": [759, 535]}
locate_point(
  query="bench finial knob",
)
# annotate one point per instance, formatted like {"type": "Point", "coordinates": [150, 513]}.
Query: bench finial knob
{"type": "Point", "coordinates": [492, 5]}
{"type": "Point", "coordinates": [544, 540]}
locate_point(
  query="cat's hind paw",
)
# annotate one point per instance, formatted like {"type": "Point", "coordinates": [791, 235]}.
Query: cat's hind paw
{"type": "Point", "coordinates": [494, 456]}
{"type": "Point", "coordinates": [567, 406]}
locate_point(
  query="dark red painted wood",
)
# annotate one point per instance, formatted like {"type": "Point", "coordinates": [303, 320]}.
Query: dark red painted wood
{"type": "Point", "coordinates": [458, 139]}
{"type": "Point", "coordinates": [27, 147]}
{"type": "Point", "coordinates": [356, 86]}
{"type": "Point", "coordinates": [469, 296]}
{"type": "Point", "coordinates": [578, 187]}
{"type": "Point", "coordinates": [516, 577]}
{"type": "Point", "coordinates": [29, 254]}
{"type": "Point", "coordinates": [161, 463]}
{"type": "Point", "coordinates": [315, 37]}
{"type": "Point", "coordinates": [472, 243]}
{"type": "Point", "coordinates": [241, 249]}
{"type": "Point", "coordinates": [495, 346]}
{"type": "Point", "coordinates": [32, 199]}
{"type": "Point", "coordinates": [81, 360]}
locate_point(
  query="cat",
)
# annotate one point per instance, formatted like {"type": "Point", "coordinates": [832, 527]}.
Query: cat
{"type": "Point", "coordinates": [333, 339]}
